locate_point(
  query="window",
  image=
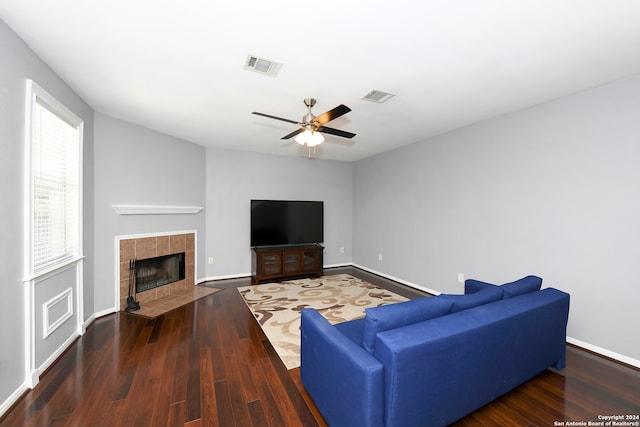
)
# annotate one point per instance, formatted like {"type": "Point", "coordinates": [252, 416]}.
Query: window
{"type": "Point", "coordinates": [55, 141]}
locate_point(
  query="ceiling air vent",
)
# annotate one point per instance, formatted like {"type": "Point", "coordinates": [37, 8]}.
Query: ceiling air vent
{"type": "Point", "coordinates": [378, 96]}
{"type": "Point", "coordinates": [263, 66]}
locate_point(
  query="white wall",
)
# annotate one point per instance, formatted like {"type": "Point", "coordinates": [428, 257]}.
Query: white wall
{"type": "Point", "coordinates": [137, 166]}
{"type": "Point", "coordinates": [551, 191]}
{"type": "Point", "coordinates": [17, 64]}
{"type": "Point", "coordinates": [235, 177]}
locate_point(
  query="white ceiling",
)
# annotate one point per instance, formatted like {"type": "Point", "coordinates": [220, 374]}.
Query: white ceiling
{"type": "Point", "coordinates": [177, 66]}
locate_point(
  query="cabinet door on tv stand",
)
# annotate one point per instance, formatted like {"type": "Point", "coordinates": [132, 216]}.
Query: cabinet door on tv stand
{"type": "Point", "coordinates": [291, 262]}
{"type": "Point", "coordinates": [271, 264]}
{"type": "Point", "coordinates": [312, 260]}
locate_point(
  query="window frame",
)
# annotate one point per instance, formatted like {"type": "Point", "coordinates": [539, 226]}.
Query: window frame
{"type": "Point", "coordinates": [37, 96]}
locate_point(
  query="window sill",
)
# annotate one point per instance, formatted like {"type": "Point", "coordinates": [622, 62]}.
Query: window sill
{"type": "Point", "coordinates": [54, 269]}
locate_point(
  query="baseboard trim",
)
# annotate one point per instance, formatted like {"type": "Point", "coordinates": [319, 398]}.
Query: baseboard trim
{"type": "Point", "coordinates": [602, 352]}
{"type": "Point", "coordinates": [223, 277]}
{"type": "Point", "coordinates": [13, 399]}
{"type": "Point", "coordinates": [616, 357]}
{"type": "Point", "coordinates": [396, 279]}
{"type": "Point", "coordinates": [56, 355]}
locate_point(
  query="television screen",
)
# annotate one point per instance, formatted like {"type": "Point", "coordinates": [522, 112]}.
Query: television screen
{"type": "Point", "coordinates": [286, 222]}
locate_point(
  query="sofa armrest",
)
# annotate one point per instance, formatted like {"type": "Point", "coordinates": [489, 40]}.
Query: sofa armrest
{"type": "Point", "coordinates": [344, 380]}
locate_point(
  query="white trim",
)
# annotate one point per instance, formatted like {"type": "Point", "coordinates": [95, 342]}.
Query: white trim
{"type": "Point", "coordinates": [87, 322]}
{"type": "Point", "coordinates": [31, 379]}
{"type": "Point", "coordinates": [56, 354]}
{"type": "Point", "coordinates": [598, 350]}
{"type": "Point", "coordinates": [604, 352]}
{"type": "Point", "coordinates": [155, 210]}
{"type": "Point", "coordinates": [158, 234]}
{"type": "Point", "coordinates": [102, 313]}
{"type": "Point", "coordinates": [345, 264]}
{"type": "Point", "coordinates": [13, 398]}
{"type": "Point", "coordinates": [224, 277]}
{"type": "Point", "coordinates": [34, 94]}
{"type": "Point", "coordinates": [395, 279]}
{"type": "Point", "coordinates": [45, 274]}
{"type": "Point", "coordinates": [49, 328]}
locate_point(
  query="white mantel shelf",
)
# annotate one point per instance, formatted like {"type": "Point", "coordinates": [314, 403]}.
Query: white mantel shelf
{"type": "Point", "coordinates": [155, 210]}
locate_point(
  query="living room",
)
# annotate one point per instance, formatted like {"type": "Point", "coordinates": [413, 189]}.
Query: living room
{"type": "Point", "coordinates": [549, 190]}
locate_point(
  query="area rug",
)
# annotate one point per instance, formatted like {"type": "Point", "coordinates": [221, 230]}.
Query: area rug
{"type": "Point", "coordinates": [277, 307]}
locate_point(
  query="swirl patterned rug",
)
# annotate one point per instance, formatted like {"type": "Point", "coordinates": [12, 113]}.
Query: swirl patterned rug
{"type": "Point", "coordinates": [277, 307]}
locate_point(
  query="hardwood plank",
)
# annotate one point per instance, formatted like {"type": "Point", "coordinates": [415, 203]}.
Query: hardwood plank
{"type": "Point", "coordinates": [208, 391]}
{"type": "Point", "coordinates": [176, 414]}
{"type": "Point", "coordinates": [209, 363]}
{"type": "Point", "coordinates": [193, 380]}
{"type": "Point", "coordinates": [223, 403]}
{"type": "Point", "coordinates": [258, 417]}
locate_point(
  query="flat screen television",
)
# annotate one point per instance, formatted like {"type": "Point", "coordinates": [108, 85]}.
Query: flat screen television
{"type": "Point", "coordinates": [286, 222]}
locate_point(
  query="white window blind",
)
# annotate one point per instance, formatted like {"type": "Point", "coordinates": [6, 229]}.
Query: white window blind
{"type": "Point", "coordinates": [55, 155]}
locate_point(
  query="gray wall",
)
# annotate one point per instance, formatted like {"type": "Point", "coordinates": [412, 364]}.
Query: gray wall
{"type": "Point", "coordinates": [234, 178]}
{"type": "Point", "coordinates": [551, 191]}
{"type": "Point", "coordinates": [18, 63]}
{"type": "Point", "coordinates": [137, 166]}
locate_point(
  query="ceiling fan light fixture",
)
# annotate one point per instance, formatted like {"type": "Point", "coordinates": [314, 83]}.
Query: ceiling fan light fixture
{"type": "Point", "coordinates": [310, 138]}
{"type": "Point", "coordinates": [303, 137]}
{"type": "Point", "coordinates": [316, 139]}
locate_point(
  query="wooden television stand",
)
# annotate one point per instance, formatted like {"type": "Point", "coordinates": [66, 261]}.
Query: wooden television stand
{"type": "Point", "coordinates": [275, 262]}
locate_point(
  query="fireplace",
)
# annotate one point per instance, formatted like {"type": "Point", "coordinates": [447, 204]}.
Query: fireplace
{"type": "Point", "coordinates": [158, 271]}
{"type": "Point", "coordinates": [161, 247]}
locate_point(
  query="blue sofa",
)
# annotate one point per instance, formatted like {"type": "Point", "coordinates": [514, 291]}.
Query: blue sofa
{"type": "Point", "coordinates": [433, 360]}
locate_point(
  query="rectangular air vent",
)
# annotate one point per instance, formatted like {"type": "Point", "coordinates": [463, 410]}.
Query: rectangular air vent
{"type": "Point", "coordinates": [263, 66]}
{"type": "Point", "coordinates": [378, 96]}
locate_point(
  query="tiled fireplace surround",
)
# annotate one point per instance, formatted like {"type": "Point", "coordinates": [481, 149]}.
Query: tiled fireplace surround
{"type": "Point", "coordinates": [152, 246]}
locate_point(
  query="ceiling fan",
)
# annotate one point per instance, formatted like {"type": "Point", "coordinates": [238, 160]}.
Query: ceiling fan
{"type": "Point", "coordinates": [311, 126]}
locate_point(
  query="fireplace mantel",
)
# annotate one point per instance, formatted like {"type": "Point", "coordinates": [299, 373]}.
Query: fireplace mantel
{"type": "Point", "coordinates": [155, 209]}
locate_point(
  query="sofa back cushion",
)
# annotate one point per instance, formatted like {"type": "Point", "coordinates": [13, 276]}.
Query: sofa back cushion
{"type": "Point", "coordinates": [518, 287]}
{"type": "Point", "coordinates": [522, 286]}
{"type": "Point", "coordinates": [393, 316]}
{"type": "Point", "coordinates": [472, 286]}
{"type": "Point", "coordinates": [485, 296]}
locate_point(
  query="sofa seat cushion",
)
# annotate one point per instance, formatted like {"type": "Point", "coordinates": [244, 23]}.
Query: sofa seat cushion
{"type": "Point", "coordinates": [485, 296]}
{"type": "Point", "coordinates": [518, 287]}
{"type": "Point", "coordinates": [400, 314]}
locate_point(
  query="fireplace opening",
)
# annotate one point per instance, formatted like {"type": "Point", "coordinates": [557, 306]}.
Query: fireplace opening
{"type": "Point", "coordinates": [159, 271]}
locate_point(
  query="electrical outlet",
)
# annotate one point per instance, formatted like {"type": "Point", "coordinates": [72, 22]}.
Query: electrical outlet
{"type": "Point", "coordinates": [210, 260]}
{"type": "Point", "coordinates": [341, 249]}
{"type": "Point", "coordinates": [379, 257]}
{"type": "Point", "coordinates": [460, 277]}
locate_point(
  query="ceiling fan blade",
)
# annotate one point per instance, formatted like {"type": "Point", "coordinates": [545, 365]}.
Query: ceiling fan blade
{"type": "Point", "coordinates": [294, 133]}
{"type": "Point", "coordinates": [332, 114]}
{"type": "Point", "coordinates": [336, 132]}
{"type": "Point", "coordinates": [277, 118]}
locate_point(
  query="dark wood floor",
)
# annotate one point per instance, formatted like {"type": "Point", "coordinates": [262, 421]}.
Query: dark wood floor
{"type": "Point", "coordinates": [208, 363]}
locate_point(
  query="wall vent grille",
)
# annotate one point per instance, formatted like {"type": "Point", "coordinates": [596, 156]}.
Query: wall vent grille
{"type": "Point", "coordinates": [262, 65]}
{"type": "Point", "coordinates": [377, 96]}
